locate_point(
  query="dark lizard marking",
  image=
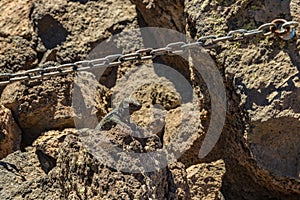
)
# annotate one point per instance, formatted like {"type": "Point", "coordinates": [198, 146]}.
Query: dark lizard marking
{"type": "Point", "coordinates": [120, 115]}
{"type": "Point", "coordinates": [12, 168]}
{"type": "Point", "coordinates": [7, 166]}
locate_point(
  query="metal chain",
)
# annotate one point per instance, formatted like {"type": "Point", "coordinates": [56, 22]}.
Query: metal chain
{"type": "Point", "coordinates": [280, 27]}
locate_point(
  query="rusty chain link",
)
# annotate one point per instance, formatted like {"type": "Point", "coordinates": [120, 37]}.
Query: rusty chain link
{"type": "Point", "coordinates": [279, 27]}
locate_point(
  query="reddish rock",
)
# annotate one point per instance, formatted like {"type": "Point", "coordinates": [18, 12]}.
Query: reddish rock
{"type": "Point", "coordinates": [10, 135]}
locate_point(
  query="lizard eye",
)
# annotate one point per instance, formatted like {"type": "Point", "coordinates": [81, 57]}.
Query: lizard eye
{"type": "Point", "coordinates": [135, 105]}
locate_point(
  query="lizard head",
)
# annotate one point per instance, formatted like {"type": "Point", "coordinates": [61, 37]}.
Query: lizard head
{"type": "Point", "coordinates": [132, 104]}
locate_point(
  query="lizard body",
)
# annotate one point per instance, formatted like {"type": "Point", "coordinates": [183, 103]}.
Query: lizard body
{"type": "Point", "coordinates": [121, 114]}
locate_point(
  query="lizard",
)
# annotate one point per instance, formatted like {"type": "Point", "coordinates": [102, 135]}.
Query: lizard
{"type": "Point", "coordinates": [120, 114]}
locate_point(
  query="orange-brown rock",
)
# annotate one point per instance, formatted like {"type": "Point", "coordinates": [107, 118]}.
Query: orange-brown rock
{"type": "Point", "coordinates": [12, 25]}
{"type": "Point", "coordinates": [10, 133]}
{"type": "Point", "coordinates": [205, 180]}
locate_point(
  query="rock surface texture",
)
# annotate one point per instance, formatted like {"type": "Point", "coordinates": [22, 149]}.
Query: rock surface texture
{"type": "Point", "coordinates": [10, 137]}
{"type": "Point", "coordinates": [50, 150]}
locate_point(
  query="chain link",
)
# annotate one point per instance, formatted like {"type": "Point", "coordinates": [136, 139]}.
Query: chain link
{"type": "Point", "coordinates": [280, 27]}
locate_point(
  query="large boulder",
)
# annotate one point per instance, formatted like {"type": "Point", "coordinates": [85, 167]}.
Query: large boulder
{"type": "Point", "coordinates": [67, 166]}
{"type": "Point", "coordinates": [261, 76]}
{"type": "Point", "coordinates": [40, 105]}
{"type": "Point", "coordinates": [259, 141]}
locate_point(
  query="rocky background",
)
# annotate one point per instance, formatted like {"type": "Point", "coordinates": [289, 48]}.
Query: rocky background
{"type": "Point", "coordinates": [43, 157]}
